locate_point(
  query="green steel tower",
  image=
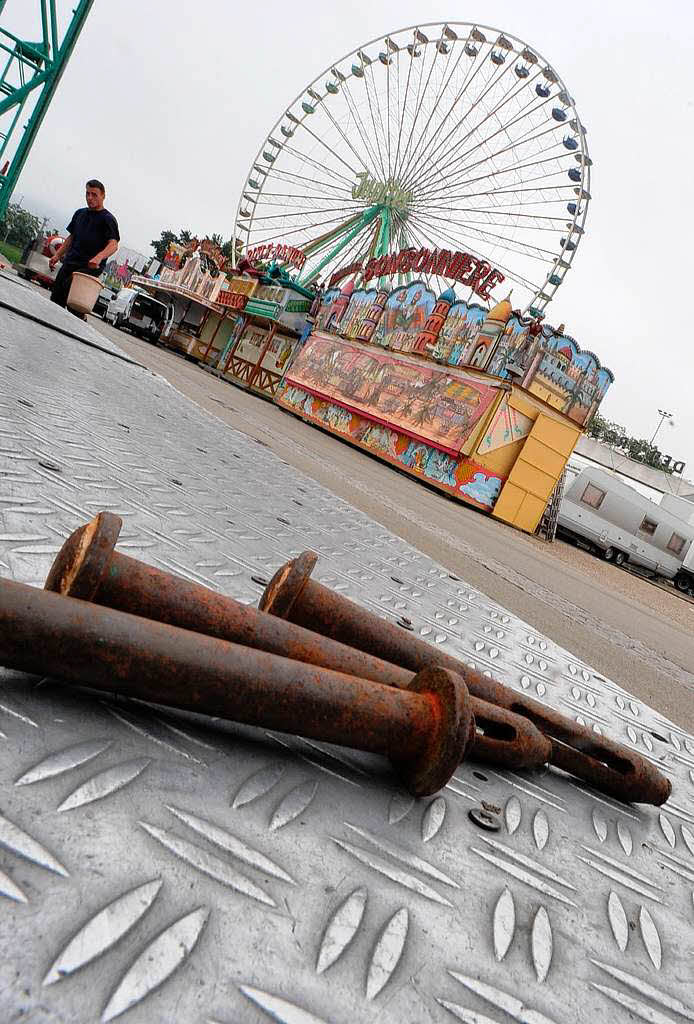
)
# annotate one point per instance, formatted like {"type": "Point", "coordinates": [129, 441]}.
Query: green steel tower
{"type": "Point", "coordinates": [30, 74]}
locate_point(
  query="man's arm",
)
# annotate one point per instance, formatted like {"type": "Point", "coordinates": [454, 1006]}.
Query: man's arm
{"type": "Point", "coordinates": [60, 253]}
{"type": "Point", "coordinates": [107, 251]}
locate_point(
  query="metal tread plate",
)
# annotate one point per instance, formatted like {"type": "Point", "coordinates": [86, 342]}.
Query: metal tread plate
{"type": "Point", "coordinates": [159, 868]}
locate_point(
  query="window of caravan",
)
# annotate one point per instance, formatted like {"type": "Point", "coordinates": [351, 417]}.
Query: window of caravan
{"type": "Point", "coordinates": [676, 543]}
{"type": "Point", "coordinates": [648, 526]}
{"type": "Point", "coordinates": [593, 496]}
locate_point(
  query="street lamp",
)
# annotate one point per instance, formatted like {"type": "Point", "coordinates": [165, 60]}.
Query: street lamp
{"type": "Point", "coordinates": [664, 415]}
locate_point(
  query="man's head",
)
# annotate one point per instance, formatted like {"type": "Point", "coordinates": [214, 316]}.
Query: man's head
{"type": "Point", "coordinates": [96, 193]}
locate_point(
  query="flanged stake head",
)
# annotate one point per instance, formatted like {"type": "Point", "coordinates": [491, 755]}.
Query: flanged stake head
{"type": "Point", "coordinates": [286, 585]}
{"type": "Point", "coordinates": [84, 557]}
{"type": "Point", "coordinates": [452, 734]}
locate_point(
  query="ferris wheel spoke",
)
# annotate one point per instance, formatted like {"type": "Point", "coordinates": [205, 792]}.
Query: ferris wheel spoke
{"type": "Point", "coordinates": [373, 121]}
{"type": "Point", "coordinates": [304, 228]}
{"type": "Point", "coordinates": [293, 178]}
{"type": "Point", "coordinates": [502, 189]}
{"type": "Point", "coordinates": [307, 201]}
{"type": "Point", "coordinates": [497, 211]}
{"type": "Point", "coordinates": [510, 244]}
{"type": "Point", "coordinates": [315, 211]}
{"type": "Point", "coordinates": [441, 90]}
{"type": "Point", "coordinates": [461, 181]}
{"type": "Point", "coordinates": [402, 110]}
{"type": "Point", "coordinates": [322, 167]}
{"type": "Point", "coordinates": [430, 154]}
{"type": "Point", "coordinates": [503, 129]}
{"type": "Point", "coordinates": [420, 92]}
{"type": "Point", "coordinates": [313, 135]}
{"type": "Point", "coordinates": [427, 153]}
{"type": "Point", "coordinates": [515, 144]}
{"type": "Point", "coordinates": [360, 126]}
{"type": "Point", "coordinates": [509, 272]}
{"type": "Point", "coordinates": [513, 92]}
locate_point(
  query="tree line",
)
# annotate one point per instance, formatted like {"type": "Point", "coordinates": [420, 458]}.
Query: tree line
{"type": "Point", "coordinates": [185, 237]}
{"type": "Point", "coordinates": [616, 436]}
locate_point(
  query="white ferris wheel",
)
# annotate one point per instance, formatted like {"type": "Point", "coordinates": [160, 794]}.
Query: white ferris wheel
{"type": "Point", "coordinates": [448, 137]}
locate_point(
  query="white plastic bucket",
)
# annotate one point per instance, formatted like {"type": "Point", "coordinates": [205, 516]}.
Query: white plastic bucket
{"type": "Point", "coordinates": [83, 292]}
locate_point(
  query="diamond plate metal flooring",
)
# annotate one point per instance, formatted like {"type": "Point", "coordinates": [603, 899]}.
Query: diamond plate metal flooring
{"type": "Point", "coordinates": [160, 869]}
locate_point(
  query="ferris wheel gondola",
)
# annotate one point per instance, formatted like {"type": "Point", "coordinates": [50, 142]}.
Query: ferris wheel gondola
{"type": "Point", "coordinates": [442, 137]}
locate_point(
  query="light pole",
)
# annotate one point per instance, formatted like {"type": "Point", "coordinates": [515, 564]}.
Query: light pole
{"type": "Point", "coordinates": [663, 416]}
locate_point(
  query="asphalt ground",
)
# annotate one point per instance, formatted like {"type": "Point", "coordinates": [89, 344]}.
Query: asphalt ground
{"type": "Point", "coordinates": [637, 634]}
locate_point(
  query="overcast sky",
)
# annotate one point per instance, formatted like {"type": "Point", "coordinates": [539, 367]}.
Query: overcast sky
{"type": "Point", "coordinates": [167, 102]}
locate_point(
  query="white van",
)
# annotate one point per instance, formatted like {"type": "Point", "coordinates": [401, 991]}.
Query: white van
{"type": "Point", "coordinates": [144, 316]}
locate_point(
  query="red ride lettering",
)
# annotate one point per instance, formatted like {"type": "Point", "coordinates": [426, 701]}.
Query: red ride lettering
{"type": "Point", "coordinates": [405, 259]}
{"type": "Point", "coordinates": [370, 270]}
{"type": "Point", "coordinates": [483, 269]}
{"type": "Point", "coordinates": [467, 268]}
{"type": "Point", "coordinates": [440, 261]}
{"type": "Point", "coordinates": [421, 261]}
{"type": "Point", "coordinates": [490, 281]}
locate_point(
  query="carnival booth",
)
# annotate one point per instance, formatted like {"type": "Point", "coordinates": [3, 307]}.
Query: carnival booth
{"type": "Point", "coordinates": [483, 403]}
{"type": "Point", "coordinates": [192, 281]}
{"type": "Point", "coordinates": [270, 326]}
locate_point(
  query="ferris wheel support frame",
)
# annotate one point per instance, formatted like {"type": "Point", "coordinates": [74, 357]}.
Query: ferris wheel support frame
{"type": "Point", "coordinates": [366, 218]}
{"type": "Point", "coordinates": [574, 226]}
{"type": "Point", "coordinates": [44, 63]}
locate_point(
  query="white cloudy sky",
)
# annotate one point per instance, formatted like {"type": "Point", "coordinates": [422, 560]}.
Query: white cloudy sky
{"type": "Point", "coordinates": [167, 101]}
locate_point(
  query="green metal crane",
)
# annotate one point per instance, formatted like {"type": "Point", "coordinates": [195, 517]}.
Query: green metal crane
{"type": "Point", "coordinates": [31, 72]}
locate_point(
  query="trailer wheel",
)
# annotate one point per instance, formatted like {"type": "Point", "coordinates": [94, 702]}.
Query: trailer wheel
{"type": "Point", "coordinates": [608, 554]}
{"type": "Point", "coordinates": [683, 584]}
{"type": "Point", "coordinates": [619, 558]}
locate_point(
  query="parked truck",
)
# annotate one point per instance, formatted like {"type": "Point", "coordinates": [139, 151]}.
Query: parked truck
{"type": "Point", "coordinates": [139, 313]}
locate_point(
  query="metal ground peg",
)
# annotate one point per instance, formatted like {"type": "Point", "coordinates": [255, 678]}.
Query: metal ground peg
{"type": "Point", "coordinates": [609, 766]}
{"type": "Point", "coordinates": [425, 730]}
{"type": "Point", "coordinates": [89, 567]}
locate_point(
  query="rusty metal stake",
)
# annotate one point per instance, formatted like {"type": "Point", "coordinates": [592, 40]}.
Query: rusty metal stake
{"type": "Point", "coordinates": [425, 730]}
{"type": "Point", "coordinates": [607, 765]}
{"type": "Point", "coordinates": [89, 567]}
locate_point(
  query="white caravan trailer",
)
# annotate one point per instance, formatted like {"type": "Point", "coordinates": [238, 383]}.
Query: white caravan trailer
{"type": "Point", "coordinates": [606, 515]}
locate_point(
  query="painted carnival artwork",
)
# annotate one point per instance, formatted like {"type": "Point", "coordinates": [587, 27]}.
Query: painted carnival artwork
{"type": "Point", "coordinates": [426, 403]}
{"type": "Point", "coordinates": [352, 323]}
{"type": "Point", "coordinates": [507, 425]}
{"type": "Point", "coordinates": [499, 341]}
{"type": "Point", "coordinates": [552, 365]}
{"type": "Point", "coordinates": [455, 474]}
{"type": "Point", "coordinates": [459, 333]}
{"type": "Point", "coordinates": [406, 311]}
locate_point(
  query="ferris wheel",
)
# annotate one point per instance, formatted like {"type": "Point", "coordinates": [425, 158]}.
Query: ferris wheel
{"type": "Point", "coordinates": [448, 138]}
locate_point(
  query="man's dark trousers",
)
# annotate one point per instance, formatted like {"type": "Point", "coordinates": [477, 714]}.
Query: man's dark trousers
{"type": "Point", "coordinates": [61, 285]}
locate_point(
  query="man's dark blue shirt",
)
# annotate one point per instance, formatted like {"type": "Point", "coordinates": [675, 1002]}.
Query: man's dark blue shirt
{"type": "Point", "coordinates": [90, 230]}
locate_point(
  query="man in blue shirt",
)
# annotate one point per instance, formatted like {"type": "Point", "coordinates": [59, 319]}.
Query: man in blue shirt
{"type": "Point", "coordinates": [93, 237]}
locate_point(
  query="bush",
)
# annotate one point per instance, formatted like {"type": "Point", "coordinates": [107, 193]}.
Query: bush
{"type": "Point", "coordinates": [11, 252]}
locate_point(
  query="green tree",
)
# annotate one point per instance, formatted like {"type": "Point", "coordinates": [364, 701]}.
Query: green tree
{"type": "Point", "coordinates": [161, 244]}
{"type": "Point", "coordinates": [232, 253]}
{"type": "Point", "coordinates": [19, 227]}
